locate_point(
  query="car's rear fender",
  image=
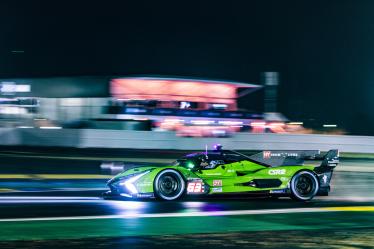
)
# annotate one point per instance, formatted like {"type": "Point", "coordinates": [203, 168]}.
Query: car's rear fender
{"type": "Point", "coordinates": [282, 173]}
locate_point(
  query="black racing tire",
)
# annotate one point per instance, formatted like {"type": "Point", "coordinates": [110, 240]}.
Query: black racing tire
{"type": "Point", "coordinates": [169, 185]}
{"type": "Point", "coordinates": [304, 186]}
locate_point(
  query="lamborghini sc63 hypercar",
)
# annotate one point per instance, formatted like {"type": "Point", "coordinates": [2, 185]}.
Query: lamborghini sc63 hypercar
{"type": "Point", "coordinates": [224, 172]}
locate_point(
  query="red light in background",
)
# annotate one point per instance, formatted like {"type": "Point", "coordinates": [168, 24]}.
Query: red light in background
{"type": "Point", "coordinates": [174, 90]}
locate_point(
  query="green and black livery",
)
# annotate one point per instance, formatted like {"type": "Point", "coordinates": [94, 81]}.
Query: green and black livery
{"type": "Point", "coordinates": [224, 172]}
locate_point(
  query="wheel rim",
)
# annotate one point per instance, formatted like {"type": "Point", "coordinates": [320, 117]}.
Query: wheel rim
{"type": "Point", "coordinates": [305, 186]}
{"type": "Point", "coordinates": [169, 186]}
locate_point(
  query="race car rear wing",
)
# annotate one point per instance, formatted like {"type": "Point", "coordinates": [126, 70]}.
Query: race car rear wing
{"type": "Point", "coordinates": [295, 157]}
{"type": "Point", "coordinates": [330, 159]}
{"type": "Point", "coordinates": [329, 162]}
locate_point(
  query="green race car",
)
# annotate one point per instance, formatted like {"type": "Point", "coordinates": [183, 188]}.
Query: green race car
{"type": "Point", "coordinates": [223, 172]}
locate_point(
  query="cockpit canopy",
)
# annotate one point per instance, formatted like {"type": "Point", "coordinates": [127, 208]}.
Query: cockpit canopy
{"type": "Point", "coordinates": [212, 159]}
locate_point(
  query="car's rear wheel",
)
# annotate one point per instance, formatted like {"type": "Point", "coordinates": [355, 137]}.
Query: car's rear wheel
{"type": "Point", "coordinates": [169, 185]}
{"type": "Point", "coordinates": [304, 186]}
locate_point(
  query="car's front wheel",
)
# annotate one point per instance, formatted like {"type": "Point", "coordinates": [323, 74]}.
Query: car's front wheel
{"type": "Point", "coordinates": [304, 186]}
{"type": "Point", "coordinates": [169, 185]}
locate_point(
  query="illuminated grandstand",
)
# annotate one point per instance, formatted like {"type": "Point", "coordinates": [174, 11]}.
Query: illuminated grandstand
{"type": "Point", "coordinates": [192, 107]}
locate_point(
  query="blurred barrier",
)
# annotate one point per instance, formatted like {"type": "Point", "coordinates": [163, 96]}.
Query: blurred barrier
{"type": "Point", "coordinates": [9, 136]}
{"type": "Point", "coordinates": [88, 138]}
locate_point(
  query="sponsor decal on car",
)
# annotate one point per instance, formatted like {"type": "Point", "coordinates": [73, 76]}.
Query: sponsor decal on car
{"type": "Point", "coordinates": [217, 190]}
{"type": "Point", "coordinates": [278, 191]}
{"type": "Point", "coordinates": [324, 178]}
{"type": "Point", "coordinates": [213, 174]}
{"type": "Point", "coordinates": [217, 183]}
{"type": "Point", "coordinates": [268, 154]}
{"type": "Point", "coordinates": [145, 195]}
{"type": "Point", "coordinates": [277, 172]}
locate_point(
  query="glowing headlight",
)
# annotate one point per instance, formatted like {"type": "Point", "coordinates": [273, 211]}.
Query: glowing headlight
{"type": "Point", "coordinates": [190, 165]}
{"type": "Point", "coordinates": [129, 183]}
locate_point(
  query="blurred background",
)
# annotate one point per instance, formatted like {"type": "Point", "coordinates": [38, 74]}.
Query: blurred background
{"type": "Point", "coordinates": [192, 107]}
{"type": "Point", "coordinates": [309, 63]}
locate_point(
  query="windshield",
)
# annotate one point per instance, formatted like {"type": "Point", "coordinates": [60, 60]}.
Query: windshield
{"type": "Point", "coordinates": [199, 161]}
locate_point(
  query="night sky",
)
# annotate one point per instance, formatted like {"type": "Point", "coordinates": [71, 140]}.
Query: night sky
{"type": "Point", "coordinates": [323, 50]}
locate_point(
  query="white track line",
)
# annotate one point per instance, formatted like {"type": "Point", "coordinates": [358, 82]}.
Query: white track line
{"type": "Point", "coordinates": [168, 215]}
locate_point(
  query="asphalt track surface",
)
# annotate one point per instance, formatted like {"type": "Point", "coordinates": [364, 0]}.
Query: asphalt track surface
{"type": "Point", "coordinates": [87, 222]}
{"type": "Point", "coordinates": [76, 217]}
